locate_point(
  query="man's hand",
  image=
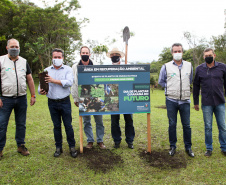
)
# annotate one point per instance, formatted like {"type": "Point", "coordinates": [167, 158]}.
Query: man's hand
{"type": "Point", "coordinates": [49, 79]}
{"type": "Point", "coordinates": [43, 92]}
{"type": "Point", "coordinates": [196, 107]}
{"type": "Point", "coordinates": [33, 100]}
{"type": "Point", "coordinates": [77, 104]}
{"type": "Point", "coordinates": [1, 103]}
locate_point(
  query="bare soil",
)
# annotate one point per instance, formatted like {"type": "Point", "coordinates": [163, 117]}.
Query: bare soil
{"type": "Point", "coordinates": [161, 106]}
{"type": "Point", "coordinates": [100, 160]}
{"type": "Point", "coordinates": [161, 159]}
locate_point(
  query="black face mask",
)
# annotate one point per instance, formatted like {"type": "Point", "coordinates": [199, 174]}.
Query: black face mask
{"type": "Point", "coordinates": [209, 60]}
{"type": "Point", "coordinates": [115, 59]}
{"type": "Point", "coordinates": [85, 58]}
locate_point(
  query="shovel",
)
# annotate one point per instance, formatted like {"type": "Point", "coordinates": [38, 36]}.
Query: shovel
{"type": "Point", "coordinates": [126, 36]}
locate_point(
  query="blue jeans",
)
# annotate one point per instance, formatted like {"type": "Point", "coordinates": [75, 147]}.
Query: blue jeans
{"type": "Point", "coordinates": [19, 105]}
{"type": "Point", "coordinates": [184, 110]}
{"type": "Point", "coordinates": [219, 112]}
{"type": "Point", "coordinates": [99, 128]}
{"type": "Point", "coordinates": [116, 130]}
{"type": "Point", "coordinates": [57, 111]}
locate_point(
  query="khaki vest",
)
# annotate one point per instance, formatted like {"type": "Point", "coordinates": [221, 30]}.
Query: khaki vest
{"type": "Point", "coordinates": [13, 76]}
{"type": "Point", "coordinates": [178, 81]}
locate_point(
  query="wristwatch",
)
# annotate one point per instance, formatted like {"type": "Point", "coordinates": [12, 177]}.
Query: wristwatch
{"type": "Point", "coordinates": [33, 96]}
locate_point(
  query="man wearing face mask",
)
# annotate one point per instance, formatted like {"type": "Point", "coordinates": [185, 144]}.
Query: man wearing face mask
{"type": "Point", "coordinates": [211, 77]}
{"type": "Point", "coordinates": [85, 60]}
{"type": "Point", "coordinates": [176, 77]}
{"type": "Point", "coordinates": [115, 56]}
{"type": "Point", "coordinates": [60, 79]}
{"type": "Point", "coordinates": [14, 72]}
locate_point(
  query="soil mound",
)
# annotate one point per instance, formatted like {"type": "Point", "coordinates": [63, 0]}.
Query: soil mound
{"type": "Point", "coordinates": [101, 160]}
{"type": "Point", "coordinates": [161, 159]}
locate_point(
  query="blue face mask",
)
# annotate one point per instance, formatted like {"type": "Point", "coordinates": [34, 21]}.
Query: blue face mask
{"type": "Point", "coordinates": [57, 62]}
{"type": "Point", "coordinates": [13, 52]}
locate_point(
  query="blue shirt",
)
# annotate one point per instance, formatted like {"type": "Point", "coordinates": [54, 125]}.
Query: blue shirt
{"type": "Point", "coordinates": [163, 78]}
{"type": "Point", "coordinates": [65, 75]}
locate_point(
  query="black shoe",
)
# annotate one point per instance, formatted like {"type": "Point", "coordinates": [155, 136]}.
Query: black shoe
{"type": "Point", "coordinates": [130, 145]}
{"type": "Point", "coordinates": [190, 153]}
{"type": "Point", "coordinates": [58, 152]}
{"type": "Point", "coordinates": [172, 151]}
{"type": "Point", "coordinates": [117, 145]}
{"type": "Point", "coordinates": [73, 152]}
{"type": "Point", "coordinates": [224, 152]}
{"type": "Point", "coordinates": [208, 153]}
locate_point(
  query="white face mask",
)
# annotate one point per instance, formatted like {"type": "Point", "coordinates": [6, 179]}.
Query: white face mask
{"type": "Point", "coordinates": [57, 62]}
{"type": "Point", "coordinates": [177, 56]}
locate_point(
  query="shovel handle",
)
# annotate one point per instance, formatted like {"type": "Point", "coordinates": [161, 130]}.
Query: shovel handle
{"type": "Point", "coordinates": [126, 54]}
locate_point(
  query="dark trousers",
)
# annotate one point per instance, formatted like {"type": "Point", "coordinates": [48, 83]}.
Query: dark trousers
{"type": "Point", "coordinates": [58, 110]}
{"type": "Point", "coordinates": [116, 130]}
{"type": "Point", "coordinates": [184, 110]}
{"type": "Point", "coordinates": [19, 105]}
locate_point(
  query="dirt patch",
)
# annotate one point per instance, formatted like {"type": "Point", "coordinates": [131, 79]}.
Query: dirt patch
{"type": "Point", "coordinates": [161, 159]}
{"type": "Point", "coordinates": [101, 160]}
{"type": "Point", "coordinates": [161, 106]}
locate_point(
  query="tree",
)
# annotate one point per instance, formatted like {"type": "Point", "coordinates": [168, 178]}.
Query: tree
{"type": "Point", "coordinates": [219, 43]}
{"type": "Point", "coordinates": [197, 47]}
{"type": "Point", "coordinates": [39, 30]}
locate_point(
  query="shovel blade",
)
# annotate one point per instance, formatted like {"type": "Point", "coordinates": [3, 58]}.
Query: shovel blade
{"type": "Point", "coordinates": [126, 34]}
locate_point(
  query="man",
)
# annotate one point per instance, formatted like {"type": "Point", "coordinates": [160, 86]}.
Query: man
{"type": "Point", "coordinates": [14, 72]}
{"type": "Point", "coordinates": [115, 56]}
{"type": "Point", "coordinates": [176, 77]}
{"type": "Point", "coordinates": [211, 76]}
{"type": "Point", "coordinates": [85, 60]}
{"type": "Point", "coordinates": [60, 79]}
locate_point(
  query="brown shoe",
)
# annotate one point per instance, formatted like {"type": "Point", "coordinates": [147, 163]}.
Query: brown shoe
{"type": "Point", "coordinates": [1, 154]}
{"type": "Point", "coordinates": [101, 145]}
{"type": "Point", "coordinates": [89, 145]}
{"type": "Point", "coordinates": [23, 150]}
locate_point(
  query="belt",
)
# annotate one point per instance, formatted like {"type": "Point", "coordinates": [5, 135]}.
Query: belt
{"type": "Point", "coordinates": [14, 96]}
{"type": "Point", "coordinates": [58, 100]}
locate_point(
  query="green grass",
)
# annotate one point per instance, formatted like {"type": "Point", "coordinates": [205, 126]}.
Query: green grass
{"type": "Point", "coordinates": [42, 168]}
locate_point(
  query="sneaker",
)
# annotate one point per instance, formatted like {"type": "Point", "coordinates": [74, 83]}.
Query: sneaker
{"type": "Point", "coordinates": [89, 145]}
{"type": "Point", "coordinates": [1, 154]}
{"type": "Point", "coordinates": [23, 150]}
{"type": "Point", "coordinates": [58, 152]}
{"type": "Point", "coordinates": [73, 152]}
{"type": "Point", "coordinates": [208, 153]}
{"type": "Point", "coordinates": [101, 145]}
{"type": "Point", "coordinates": [224, 152]}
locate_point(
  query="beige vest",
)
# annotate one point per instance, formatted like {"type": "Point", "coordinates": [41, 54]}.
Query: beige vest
{"type": "Point", "coordinates": [178, 81]}
{"type": "Point", "coordinates": [13, 76]}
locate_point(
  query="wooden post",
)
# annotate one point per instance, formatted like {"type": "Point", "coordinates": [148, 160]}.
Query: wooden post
{"type": "Point", "coordinates": [149, 131]}
{"type": "Point", "coordinates": [81, 134]}
{"type": "Point", "coordinates": [126, 54]}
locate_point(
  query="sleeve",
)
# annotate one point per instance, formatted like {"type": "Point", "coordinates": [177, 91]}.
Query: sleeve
{"type": "Point", "coordinates": [196, 87]}
{"type": "Point", "coordinates": [162, 76]}
{"type": "Point", "coordinates": [191, 76]}
{"type": "Point", "coordinates": [74, 87]}
{"type": "Point", "coordinates": [224, 79]}
{"type": "Point", "coordinates": [68, 79]}
{"type": "Point", "coordinates": [28, 69]}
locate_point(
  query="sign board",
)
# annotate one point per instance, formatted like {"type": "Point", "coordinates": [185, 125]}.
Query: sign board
{"type": "Point", "coordinates": [113, 89]}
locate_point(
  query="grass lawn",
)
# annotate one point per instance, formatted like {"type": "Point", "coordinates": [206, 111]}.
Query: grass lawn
{"type": "Point", "coordinates": [131, 168]}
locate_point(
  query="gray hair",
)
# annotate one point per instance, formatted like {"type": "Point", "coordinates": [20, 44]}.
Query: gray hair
{"type": "Point", "coordinates": [11, 40]}
{"type": "Point", "coordinates": [177, 44]}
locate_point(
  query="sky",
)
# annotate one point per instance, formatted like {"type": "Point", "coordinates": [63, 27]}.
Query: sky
{"type": "Point", "coordinates": [156, 24]}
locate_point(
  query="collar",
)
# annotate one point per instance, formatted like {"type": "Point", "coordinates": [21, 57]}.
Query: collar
{"type": "Point", "coordinates": [12, 60]}
{"type": "Point", "coordinates": [215, 64]}
{"type": "Point", "coordinates": [176, 64]}
{"type": "Point", "coordinates": [62, 67]}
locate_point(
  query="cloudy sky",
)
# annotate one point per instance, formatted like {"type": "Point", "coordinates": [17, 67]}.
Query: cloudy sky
{"type": "Point", "coordinates": [156, 24]}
